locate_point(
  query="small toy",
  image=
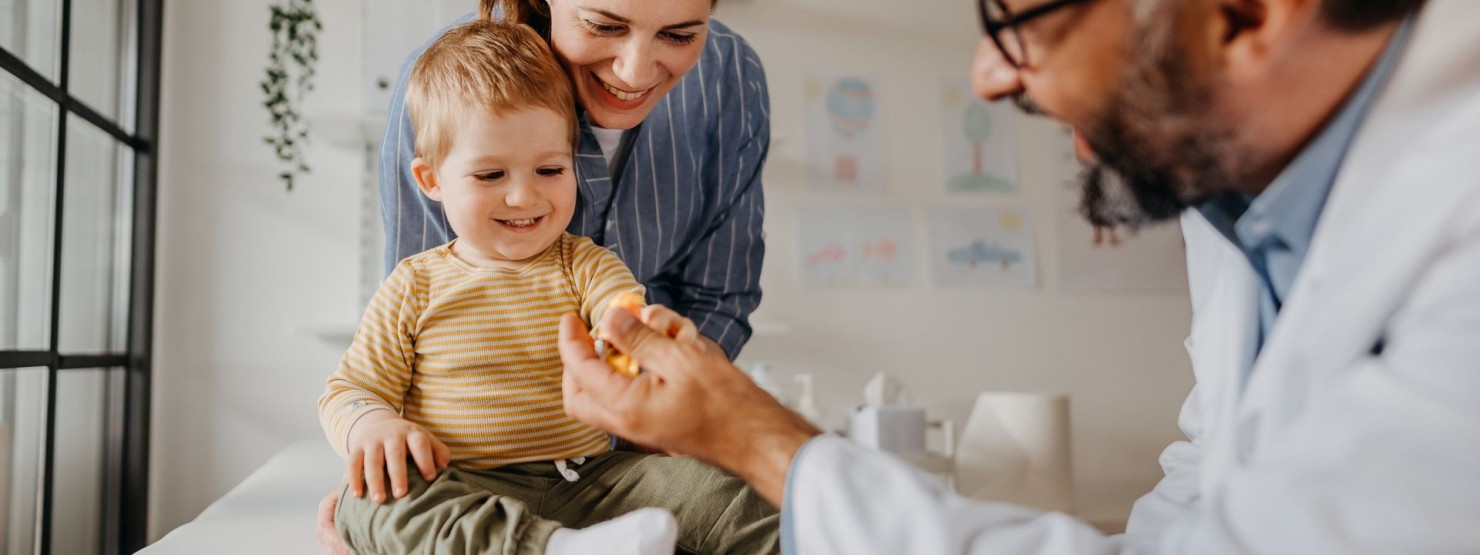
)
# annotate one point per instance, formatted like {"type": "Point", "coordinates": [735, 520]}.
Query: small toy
{"type": "Point", "coordinates": [632, 302]}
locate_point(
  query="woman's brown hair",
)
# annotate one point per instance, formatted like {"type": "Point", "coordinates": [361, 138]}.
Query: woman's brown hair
{"type": "Point", "coordinates": [534, 13]}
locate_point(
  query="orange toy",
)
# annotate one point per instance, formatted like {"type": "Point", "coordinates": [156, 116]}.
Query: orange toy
{"type": "Point", "coordinates": [632, 302]}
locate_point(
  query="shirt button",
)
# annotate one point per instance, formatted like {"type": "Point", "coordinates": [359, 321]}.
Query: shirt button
{"type": "Point", "coordinates": [1259, 227]}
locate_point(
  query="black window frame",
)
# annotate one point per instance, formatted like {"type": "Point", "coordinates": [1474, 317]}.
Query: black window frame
{"type": "Point", "coordinates": [125, 510]}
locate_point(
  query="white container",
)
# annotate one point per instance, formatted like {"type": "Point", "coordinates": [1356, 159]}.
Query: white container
{"type": "Point", "coordinates": [899, 430]}
{"type": "Point", "coordinates": [807, 404]}
{"type": "Point", "coordinates": [1015, 449]}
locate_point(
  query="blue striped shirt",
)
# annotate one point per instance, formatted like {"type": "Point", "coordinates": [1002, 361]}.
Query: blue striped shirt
{"type": "Point", "coordinates": [684, 214]}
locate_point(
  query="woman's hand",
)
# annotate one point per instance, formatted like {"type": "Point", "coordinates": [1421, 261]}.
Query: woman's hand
{"type": "Point", "coordinates": [329, 535]}
{"type": "Point", "coordinates": [690, 400]}
{"type": "Point", "coordinates": [378, 446]}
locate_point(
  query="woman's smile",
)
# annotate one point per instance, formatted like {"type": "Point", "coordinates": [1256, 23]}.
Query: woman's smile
{"type": "Point", "coordinates": [618, 98]}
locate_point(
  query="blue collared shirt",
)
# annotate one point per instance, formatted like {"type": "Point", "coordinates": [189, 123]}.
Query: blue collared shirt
{"type": "Point", "coordinates": [1274, 229]}
{"type": "Point", "coordinates": [685, 210]}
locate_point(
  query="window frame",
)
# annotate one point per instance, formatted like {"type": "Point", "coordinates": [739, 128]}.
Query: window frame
{"type": "Point", "coordinates": [125, 501]}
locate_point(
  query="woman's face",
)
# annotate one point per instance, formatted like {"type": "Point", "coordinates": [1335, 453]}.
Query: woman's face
{"type": "Point", "coordinates": [624, 55]}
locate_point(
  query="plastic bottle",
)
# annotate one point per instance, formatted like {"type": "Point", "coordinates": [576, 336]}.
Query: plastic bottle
{"type": "Point", "coordinates": [806, 403]}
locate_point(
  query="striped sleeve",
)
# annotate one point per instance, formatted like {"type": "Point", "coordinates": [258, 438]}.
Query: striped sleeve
{"type": "Point", "coordinates": [375, 373]}
{"type": "Point", "coordinates": [599, 276]}
{"type": "Point", "coordinates": [721, 278]}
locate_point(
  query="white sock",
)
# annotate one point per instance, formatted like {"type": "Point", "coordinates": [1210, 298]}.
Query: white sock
{"type": "Point", "coordinates": [640, 532]}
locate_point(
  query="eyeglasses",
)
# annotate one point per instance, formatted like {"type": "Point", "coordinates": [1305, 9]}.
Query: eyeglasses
{"type": "Point", "coordinates": [996, 18]}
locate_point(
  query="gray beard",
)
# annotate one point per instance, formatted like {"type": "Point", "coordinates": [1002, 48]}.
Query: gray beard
{"type": "Point", "coordinates": [1158, 152]}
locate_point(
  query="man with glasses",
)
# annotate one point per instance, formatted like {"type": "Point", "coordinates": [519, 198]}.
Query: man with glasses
{"type": "Point", "coordinates": [1324, 159]}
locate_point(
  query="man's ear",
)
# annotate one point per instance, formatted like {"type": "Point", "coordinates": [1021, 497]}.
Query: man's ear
{"type": "Point", "coordinates": [1251, 32]}
{"type": "Point", "coordinates": [426, 178]}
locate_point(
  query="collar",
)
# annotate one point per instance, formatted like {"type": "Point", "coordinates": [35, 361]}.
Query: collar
{"type": "Point", "coordinates": [1286, 213]}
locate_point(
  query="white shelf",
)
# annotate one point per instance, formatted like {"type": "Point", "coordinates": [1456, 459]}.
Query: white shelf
{"type": "Point", "coordinates": [347, 129]}
{"type": "Point", "coordinates": [340, 335]}
{"type": "Point", "coordinates": [764, 328]}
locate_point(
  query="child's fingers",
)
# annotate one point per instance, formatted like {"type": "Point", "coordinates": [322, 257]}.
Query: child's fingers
{"type": "Point", "coordinates": [395, 466]}
{"type": "Point", "coordinates": [375, 473]}
{"type": "Point", "coordinates": [442, 453]}
{"type": "Point", "coordinates": [355, 473]}
{"type": "Point", "coordinates": [421, 453]}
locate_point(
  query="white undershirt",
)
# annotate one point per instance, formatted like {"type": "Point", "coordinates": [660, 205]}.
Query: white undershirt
{"type": "Point", "coordinates": [610, 140]}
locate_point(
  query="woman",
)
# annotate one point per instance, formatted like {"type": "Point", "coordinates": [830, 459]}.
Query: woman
{"type": "Point", "coordinates": [675, 130]}
{"type": "Point", "coordinates": [674, 133]}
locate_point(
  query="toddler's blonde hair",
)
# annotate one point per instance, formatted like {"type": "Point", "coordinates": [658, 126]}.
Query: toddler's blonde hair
{"type": "Point", "coordinates": [482, 65]}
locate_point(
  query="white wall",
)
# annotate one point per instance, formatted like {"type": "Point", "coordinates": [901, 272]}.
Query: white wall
{"type": "Point", "coordinates": [244, 265]}
{"type": "Point", "coordinates": [1119, 356]}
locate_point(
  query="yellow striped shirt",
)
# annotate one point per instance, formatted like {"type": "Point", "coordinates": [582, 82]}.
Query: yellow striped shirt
{"type": "Point", "coordinates": [470, 353]}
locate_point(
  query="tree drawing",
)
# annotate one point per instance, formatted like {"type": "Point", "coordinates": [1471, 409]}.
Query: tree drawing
{"type": "Point", "coordinates": [978, 126]}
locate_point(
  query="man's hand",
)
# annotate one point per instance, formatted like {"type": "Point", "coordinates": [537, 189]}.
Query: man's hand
{"type": "Point", "coordinates": [690, 400]}
{"type": "Point", "coordinates": [328, 535]}
{"type": "Point", "coordinates": [671, 324]}
{"type": "Point", "coordinates": [378, 446]}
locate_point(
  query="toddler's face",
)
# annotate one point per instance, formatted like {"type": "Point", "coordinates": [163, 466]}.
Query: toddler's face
{"type": "Point", "coordinates": [508, 185]}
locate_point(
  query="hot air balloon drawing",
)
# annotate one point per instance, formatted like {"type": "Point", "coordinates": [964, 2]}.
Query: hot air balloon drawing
{"type": "Point", "coordinates": [844, 130]}
{"type": "Point", "coordinates": [850, 109]}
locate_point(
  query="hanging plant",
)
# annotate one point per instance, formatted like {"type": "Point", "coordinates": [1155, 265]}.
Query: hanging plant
{"type": "Point", "coordinates": [295, 30]}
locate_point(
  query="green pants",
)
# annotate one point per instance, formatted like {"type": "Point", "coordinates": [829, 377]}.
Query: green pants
{"type": "Point", "coordinates": [514, 509]}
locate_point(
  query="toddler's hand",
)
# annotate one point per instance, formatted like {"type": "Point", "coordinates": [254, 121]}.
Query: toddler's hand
{"type": "Point", "coordinates": [378, 446]}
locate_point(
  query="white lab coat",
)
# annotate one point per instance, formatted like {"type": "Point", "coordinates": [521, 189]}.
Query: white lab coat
{"type": "Point", "coordinates": [1327, 448]}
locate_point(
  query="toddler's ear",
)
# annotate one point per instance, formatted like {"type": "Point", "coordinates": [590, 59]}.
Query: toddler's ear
{"type": "Point", "coordinates": [426, 179]}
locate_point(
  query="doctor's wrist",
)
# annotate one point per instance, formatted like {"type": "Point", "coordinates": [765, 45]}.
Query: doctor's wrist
{"type": "Point", "coordinates": [759, 447]}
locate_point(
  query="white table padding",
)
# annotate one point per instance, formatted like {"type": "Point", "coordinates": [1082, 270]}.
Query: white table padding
{"type": "Point", "coordinates": [271, 511]}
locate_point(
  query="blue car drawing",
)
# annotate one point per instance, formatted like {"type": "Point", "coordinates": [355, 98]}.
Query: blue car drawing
{"type": "Point", "coordinates": [979, 252]}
